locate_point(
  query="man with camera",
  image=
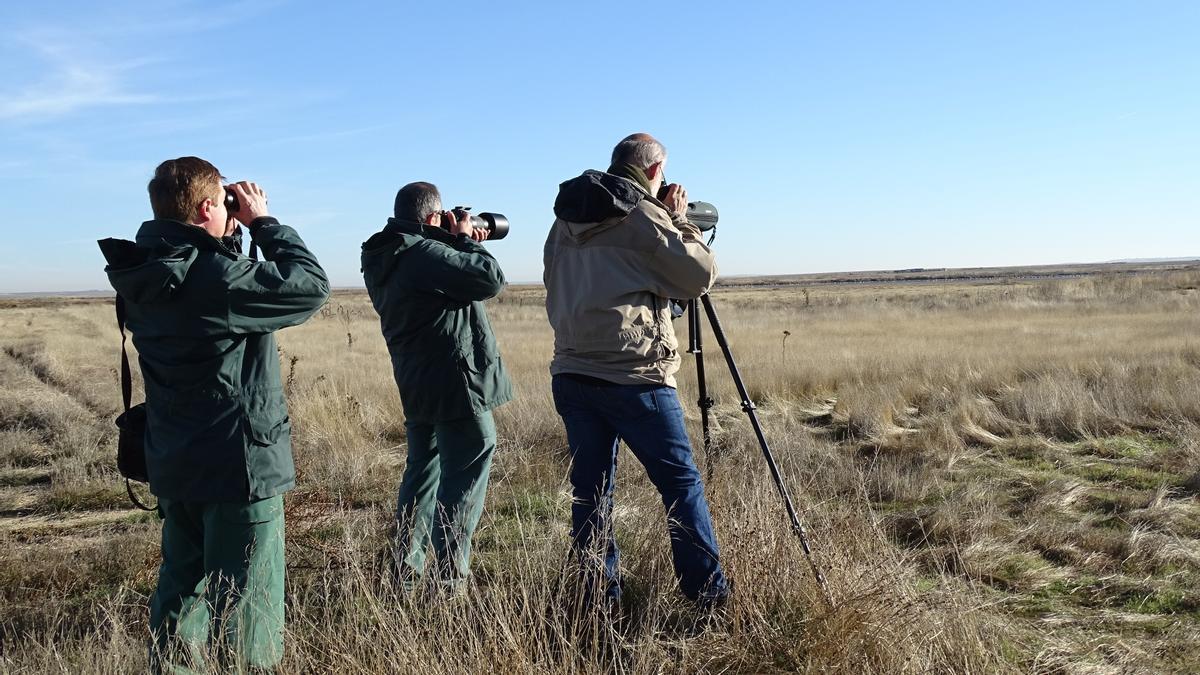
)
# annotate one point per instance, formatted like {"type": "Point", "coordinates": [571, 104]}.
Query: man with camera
{"type": "Point", "coordinates": [428, 276]}
{"type": "Point", "coordinates": [217, 437]}
{"type": "Point", "coordinates": [616, 254]}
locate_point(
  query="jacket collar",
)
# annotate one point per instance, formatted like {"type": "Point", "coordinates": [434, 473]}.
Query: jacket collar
{"type": "Point", "coordinates": [631, 173]}
{"type": "Point", "coordinates": [154, 233]}
{"type": "Point", "coordinates": [398, 226]}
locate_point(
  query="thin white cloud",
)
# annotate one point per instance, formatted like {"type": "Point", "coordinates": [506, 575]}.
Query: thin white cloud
{"type": "Point", "coordinates": [71, 82]}
{"type": "Point", "coordinates": [80, 74]}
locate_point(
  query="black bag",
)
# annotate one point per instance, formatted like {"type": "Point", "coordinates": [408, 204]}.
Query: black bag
{"type": "Point", "coordinates": [131, 424]}
{"type": "Point", "coordinates": [131, 448]}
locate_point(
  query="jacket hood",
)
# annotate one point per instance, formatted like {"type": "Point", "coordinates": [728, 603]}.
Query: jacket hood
{"type": "Point", "coordinates": [594, 200]}
{"type": "Point", "coordinates": [381, 252]}
{"type": "Point", "coordinates": [152, 268]}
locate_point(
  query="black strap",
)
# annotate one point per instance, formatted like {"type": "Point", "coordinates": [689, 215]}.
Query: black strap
{"type": "Point", "coordinates": [252, 252]}
{"type": "Point", "coordinates": [133, 498]}
{"type": "Point", "coordinates": [126, 377]}
{"type": "Point", "coordinates": [127, 390]}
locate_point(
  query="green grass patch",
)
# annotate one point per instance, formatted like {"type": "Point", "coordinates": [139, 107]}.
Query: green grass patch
{"type": "Point", "coordinates": [1113, 501]}
{"type": "Point", "coordinates": [1076, 589]}
{"type": "Point", "coordinates": [532, 505]}
{"type": "Point", "coordinates": [517, 517]}
{"type": "Point", "coordinates": [1014, 571]}
{"type": "Point", "coordinates": [326, 532]}
{"type": "Point", "coordinates": [1040, 466]}
{"type": "Point", "coordinates": [1128, 447]}
{"type": "Point", "coordinates": [1120, 593]}
{"type": "Point", "coordinates": [86, 497]}
{"type": "Point", "coordinates": [1133, 477]}
{"type": "Point", "coordinates": [1030, 451]}
{"type": "Point", "coordinates": [1165, 601]}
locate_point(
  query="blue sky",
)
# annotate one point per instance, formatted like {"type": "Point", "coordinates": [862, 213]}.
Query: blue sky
{"type": "Point", "coordinates": [832, 136]}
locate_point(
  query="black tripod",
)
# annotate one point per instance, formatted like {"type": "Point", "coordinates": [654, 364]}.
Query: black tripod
{"type": "Point", "coordinates": [695, 340]}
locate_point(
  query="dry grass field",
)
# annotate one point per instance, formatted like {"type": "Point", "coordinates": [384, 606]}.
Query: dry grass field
{"type": "Point", "coordinates": [998, 476]}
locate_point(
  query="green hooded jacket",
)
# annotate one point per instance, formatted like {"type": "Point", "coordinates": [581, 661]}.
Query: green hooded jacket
{"type": "Point", "coordinates": [202, 318]}
{"type": "Point", "coordinates": [428, 287]}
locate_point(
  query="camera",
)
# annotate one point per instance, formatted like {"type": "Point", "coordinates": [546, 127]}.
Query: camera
{"type": "Point", "coordinates": [494, 223]}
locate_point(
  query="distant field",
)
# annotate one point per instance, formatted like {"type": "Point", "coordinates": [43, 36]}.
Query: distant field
{"type": "Point", "coordinates": [967, 274]}
{"type": "Point", "coordinates": [999, 469]}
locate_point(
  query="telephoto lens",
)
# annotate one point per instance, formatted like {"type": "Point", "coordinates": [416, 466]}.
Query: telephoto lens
{"type": "Point", "coordinates": [494, 223]}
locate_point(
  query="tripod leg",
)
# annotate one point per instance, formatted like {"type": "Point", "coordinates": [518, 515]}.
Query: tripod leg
{"type": "Point", "coordinates": [696, 348]}
{"type": "Point", "coordinates": [749, 408]}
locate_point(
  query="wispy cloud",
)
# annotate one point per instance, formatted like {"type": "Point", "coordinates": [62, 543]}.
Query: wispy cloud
{"type": "Point", "coordinates": [75, 68]}
{"type": "Point", "coordinates": [70, 83]}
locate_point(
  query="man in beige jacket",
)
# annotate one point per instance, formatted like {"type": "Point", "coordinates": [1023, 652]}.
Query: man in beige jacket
{"type": "Point", "coordinates": [615, 257]}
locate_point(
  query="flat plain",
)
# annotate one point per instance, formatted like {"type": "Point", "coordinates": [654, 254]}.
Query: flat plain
{"type": "Point", "coordinates": [999, 472]}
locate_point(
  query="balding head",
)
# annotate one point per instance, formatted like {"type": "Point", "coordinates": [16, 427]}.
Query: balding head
{"type": "Point", "coordinates": [641, 150]}
{"type": "Point", "coordinates": [416, 201]}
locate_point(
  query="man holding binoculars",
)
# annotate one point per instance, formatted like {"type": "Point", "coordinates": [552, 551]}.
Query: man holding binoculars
{"type": "Point", "coordinates": [427, 276]}
{"type": "Point", "coordinates": [217, 437]}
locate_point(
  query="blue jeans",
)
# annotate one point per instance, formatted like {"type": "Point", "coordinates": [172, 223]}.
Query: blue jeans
{"type": "Point", "coordinates": [650, 421]}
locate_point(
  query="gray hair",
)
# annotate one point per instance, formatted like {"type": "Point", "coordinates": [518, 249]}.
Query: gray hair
{"type": "Point", "coordinates": [640, 150]}
{"type": "Point", "coordinates": [416, 201]}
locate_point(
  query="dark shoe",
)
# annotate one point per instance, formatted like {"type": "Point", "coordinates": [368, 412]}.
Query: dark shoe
{"type": "Point", "coordinates": [713, 610]}
{"type": "Point", "coordinates": [710, 601]}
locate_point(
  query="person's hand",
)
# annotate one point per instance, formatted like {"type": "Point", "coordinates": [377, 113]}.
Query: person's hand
{"type": "Point", "coordinates": [252, 202]}
{"type": "Point", "coordinates": [480, 233]}
{"type": "Point", "coordinates": [676, 199]}
{"type": "Point", "coordinates": [458, 225]}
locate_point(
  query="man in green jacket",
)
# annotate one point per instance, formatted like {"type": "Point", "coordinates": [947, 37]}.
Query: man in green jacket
{"type": "Point", "coordinates": [427, 284]}
{"type": "Point", "coordinates": [218, 439]}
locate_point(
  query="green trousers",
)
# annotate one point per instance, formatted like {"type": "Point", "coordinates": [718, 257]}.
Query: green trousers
{"type": "Point", "coordinates": [220, 585]}
{"type": "Point", "coordinates": [441, 498]}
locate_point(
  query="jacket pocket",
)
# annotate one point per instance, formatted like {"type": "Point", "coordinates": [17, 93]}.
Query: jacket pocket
{"type": "Point", "coordinates": [266, 419]}
{"type": "Point", "coordinates": [483, 375]}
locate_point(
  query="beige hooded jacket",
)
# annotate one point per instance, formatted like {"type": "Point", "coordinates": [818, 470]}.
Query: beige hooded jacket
{"type": "Point", "coordinates": [613, 259]}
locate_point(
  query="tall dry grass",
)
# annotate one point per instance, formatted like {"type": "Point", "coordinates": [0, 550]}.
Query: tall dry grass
{"type": "Point", "coordinates": [996, 478]}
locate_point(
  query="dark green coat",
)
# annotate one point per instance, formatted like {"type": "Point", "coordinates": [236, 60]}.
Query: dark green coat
{"type": "Point", "coordinates": [202, 318]}
{"type": "Point", "coordinates": [427, 287]}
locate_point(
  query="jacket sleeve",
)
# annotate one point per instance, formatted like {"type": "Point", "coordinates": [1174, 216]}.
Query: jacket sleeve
{"type": "Point", "coordinates": [462, 270]}
{"type": "Point", "coordinates": [681, 266]}
{"type": "Point", "coordinates": [284, 289]}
